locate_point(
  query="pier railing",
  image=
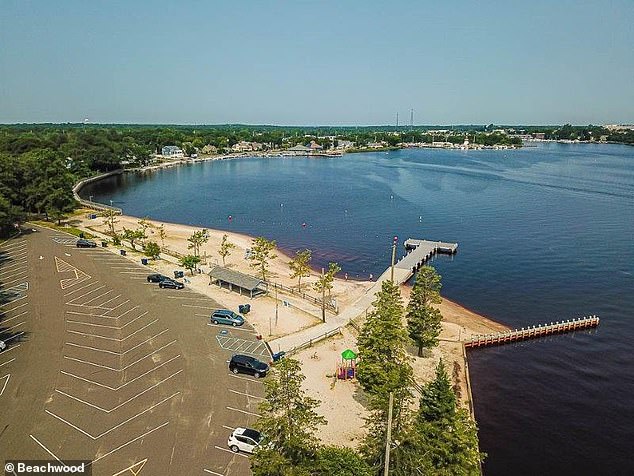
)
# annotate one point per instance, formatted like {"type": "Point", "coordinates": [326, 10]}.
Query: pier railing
{"type": "Point", "coordinates": [541, 330]}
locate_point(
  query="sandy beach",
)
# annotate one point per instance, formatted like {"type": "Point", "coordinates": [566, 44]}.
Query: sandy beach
{"type": "Point", "coordinates": [342, 402]}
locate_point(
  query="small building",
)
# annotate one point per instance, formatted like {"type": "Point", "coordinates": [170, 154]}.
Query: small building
{"type": "Point", "coordinates": [315, 146]}
{"type": "Point", "coordinates": [209, 149]}
{"type": "Point", "coordinates": [243, 283]}
{"type": "Point", "coordinates": [172, 151]}
{"type": "Point", "coordinates": [299, 149]}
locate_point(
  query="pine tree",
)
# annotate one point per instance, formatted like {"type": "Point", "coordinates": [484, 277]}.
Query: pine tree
{"type": "Point", "coordinates": [423, 320]}
{"type": "Point", "coordinates": [288, 423]}
{"type": "Point", "coordinates": [225, 248]}
{"type": "Point", "coordinates": [384, 368]}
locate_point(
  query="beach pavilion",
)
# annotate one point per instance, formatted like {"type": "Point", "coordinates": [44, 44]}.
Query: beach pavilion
{"type": "Point", "coordinates": [231, 279]}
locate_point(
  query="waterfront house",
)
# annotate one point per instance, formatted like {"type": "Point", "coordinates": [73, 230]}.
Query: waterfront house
{"type": "Point", "coordinates": [172, 152]}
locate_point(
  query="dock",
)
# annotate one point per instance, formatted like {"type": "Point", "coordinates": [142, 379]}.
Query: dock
{"type": "Point", "coordinates": [542, 330]}
{"type": "Point", "coordinates": [419, 251]}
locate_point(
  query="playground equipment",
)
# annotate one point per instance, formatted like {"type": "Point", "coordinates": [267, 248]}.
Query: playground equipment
{"type": "Point", "coordinates": [347, 369]}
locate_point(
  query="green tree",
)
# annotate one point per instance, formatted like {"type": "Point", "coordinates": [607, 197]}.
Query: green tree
{"type": "Point", "coordinates": [423, 320]}
{"type": "Point", "coordinates": [133, 235]}
{"type": "Point", "coordinates": [190, 262]}
{"type": "Point", "coordinates": [288, 422]}
{"type": "Point", "coordinates": [9, 216]}
{"type": "Point", "coordinates": [262, 251]}
{"type": "Point", "coordinates": [443, 439]}
{"type": "Point", "coordinates": [110, 219]}
{"type": "Point", "coordinates": [197, 239]}
{"type": "Point", "coordinates": [152, 250]}
{"type": "Point", "coordinates": [162, 234]}
{"type": "Point", "coordinates": [384, 368]}
{"type": "Point", "coordinates": [225, 248]}
{"type": "Point", "coordinates": [326, 280]}
{"type": "Point", "coordinates": [339, 461]}
{"type": "Point", "coordinates": [300, 266]}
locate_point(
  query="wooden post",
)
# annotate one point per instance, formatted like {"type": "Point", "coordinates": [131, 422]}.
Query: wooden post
{"type": "Point", "coordinates": [388, 441]}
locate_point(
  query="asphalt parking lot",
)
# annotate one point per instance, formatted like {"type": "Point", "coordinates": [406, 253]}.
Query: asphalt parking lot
{"type": "Point", "coordinates": [104, 366]}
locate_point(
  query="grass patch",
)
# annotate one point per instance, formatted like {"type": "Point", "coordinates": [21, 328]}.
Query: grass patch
{"type": "Point", "coordinates": [65, 228]}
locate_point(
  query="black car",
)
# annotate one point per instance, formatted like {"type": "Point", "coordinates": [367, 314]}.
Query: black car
{"type": "Point", "coordinates": [157, 278]}
{"type": "Point", "coordinates": [248, 365]}
{"type": "Point", "coordinates": [83, 243]}
{"type": "Point", "coordinates": [169, 283]}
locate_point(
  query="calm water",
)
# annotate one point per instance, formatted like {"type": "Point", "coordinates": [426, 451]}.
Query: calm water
{"type": "Point", "coordinates": [545, 233]}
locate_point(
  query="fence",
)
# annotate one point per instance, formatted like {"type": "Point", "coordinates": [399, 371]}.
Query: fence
{"type": "Point", "coordinates": [314, 340]}
{"type": "Point", "coordinates": [307, 297]}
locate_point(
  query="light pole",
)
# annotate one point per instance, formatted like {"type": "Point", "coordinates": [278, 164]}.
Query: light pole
{"type": "Point", "coordinates": [90, 198]}
{"type": "Point", "coordinates": [323, 296]}
{"type": "Point", "coordinates": [276, 305]}
{"type": "Point", "coordinates": [393, 258]}
{"type": "Point", "coordinates": [388, 440]}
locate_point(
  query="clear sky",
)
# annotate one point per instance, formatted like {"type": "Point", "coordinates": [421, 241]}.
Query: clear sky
{"type": "Point", "coordinates": [317, 62]}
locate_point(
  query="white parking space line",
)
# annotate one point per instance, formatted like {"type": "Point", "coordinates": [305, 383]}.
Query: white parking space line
{"type": "Point", "coordinates": [246, 394]}
{"type": "Point", "coordinates": [92, 382]}
{"type": "Point", "coordinates": [95, 298]}
{"type": "Point", "coordinates": [212, 472]}
{"type": "Point", "coordinates": [243, 411]}
{"type": "Point", "coordinates": [229, 451]}
{"type": "Point", "coordinates": [11, 302]}
{"type": "Point", "coordinates": [13, 347]}
{"type": "Point", "coordinates": [16, 307]}
{"type": "Point", "coordinates": [105, 326]}
{"type": "Point", "coordinates": [14, 317]}
{"type": "Point", "coordinates": [90, 307]}
{"type": "Point", "coordinates": [13, 265]}
{"type": "Point", "coordinates": [45, 448]}
{"type": "Point", "coordinates": [190, 298]}
{"type": "Point", "coordinates": [16, 276]}
{"type": "Point", "coordinates": [252, 380]}
{"type": "Point", "coordinates": [86, 294]}
{"type": "Point", "coordinates": [122, 368]}
{"type": "Point", "coordinates": [228, 427]}
{"type": "Point", "coordinates": [105, 410]}
{"type": "Point", "coordinates": [114, 427]}
{"type": "Point", "coordinates": [113, 352]}
{"type": "Point", "coordinates": [102, 315]}
{"type": "Point", "coordinates": [129, 442]}
{"type": "Point", "coordinates": [14, 336]}
{"type": "Point", "coordinates": [7, 362]}
{"type": "Point", "coordinates": [133, 272]}
{"type": "Point", "coordinates": [111, 299]}
{"type": "Point", "coordinates": [201, 307]}
{"type": "Point", "coordinates": [83, 287]}
{"type": "Point", "coordinates": [114, 339]}
{"type": "Point", "coordinates": [11, 246]}
{"type": "Point", "coordinates": [119, 305]}
{"type": "Point", "coordinates": [13, 327]}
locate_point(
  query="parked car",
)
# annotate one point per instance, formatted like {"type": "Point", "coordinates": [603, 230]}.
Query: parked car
{"type": "Point", "coordinates": [2, 345]}
{"type": "Point", "coordinates": [225, 316]}
{"type": "Point", "coordinates": [169, 283]}
{"type": "Point", "coordinates": [157, 278]}
{"type": "Point", "coordinates": [244, 439]}
{"type": "Point", "coordinates": [246, 364]}
{"type": "Point", "coordinates": [83, 243]}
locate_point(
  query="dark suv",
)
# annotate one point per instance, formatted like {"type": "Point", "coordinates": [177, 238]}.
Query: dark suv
{"type": "Point", "coordinates": [168, 283]}
{"type": "Point", "coordinates": [156, 278]}
{"type": "Point", "coordinates": [248, 365]}
{"type": "Point", "coordinates": [83, 243]}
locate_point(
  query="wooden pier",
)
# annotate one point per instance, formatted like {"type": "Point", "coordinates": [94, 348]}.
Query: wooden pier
{"type": "Point", "coordinates": [420, 251]}
{"type": "Point", "coordinates": [542, 330]}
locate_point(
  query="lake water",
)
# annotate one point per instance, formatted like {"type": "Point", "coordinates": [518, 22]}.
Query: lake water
{"type": "Point", "coordinates": [544, 234]}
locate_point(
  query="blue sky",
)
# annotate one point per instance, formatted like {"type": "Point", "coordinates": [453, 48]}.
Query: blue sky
{"type": "Point", "coordinates": [310, 62]}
